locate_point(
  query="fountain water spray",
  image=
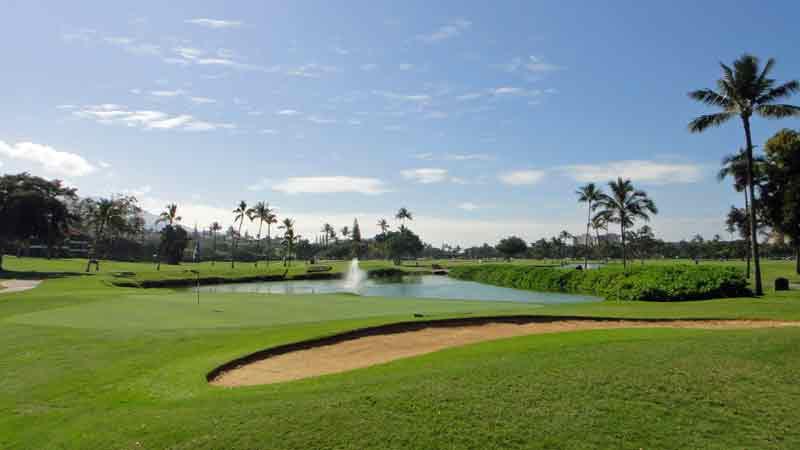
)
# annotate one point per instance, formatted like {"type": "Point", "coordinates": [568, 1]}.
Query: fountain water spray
{"type": "Point", "coordinates": [355, 276]}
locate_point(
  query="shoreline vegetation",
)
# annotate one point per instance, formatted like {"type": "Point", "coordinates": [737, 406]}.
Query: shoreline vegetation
{"type": "Point", "coordinates": [645, 283]}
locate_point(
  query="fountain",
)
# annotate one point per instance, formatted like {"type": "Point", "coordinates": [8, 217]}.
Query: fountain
{"type": "Point", "coordinates": [355, 276]}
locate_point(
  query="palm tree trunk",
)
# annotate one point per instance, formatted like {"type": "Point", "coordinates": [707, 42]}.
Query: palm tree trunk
{"type": "Point", "coordinates": [588, 227]}
{"type": "Point", "coordinates": [258, 241]}
{"type": "Point", "coordinates": [752, 212]}
{"type": "Point", "coordinates": [747, 241]}
{"type": "Point", "coordinates": [269, 243]}
{"type": "Point", "coordinates": [622, 236]}
{"type": "Point", "coordinates": [214, 253]}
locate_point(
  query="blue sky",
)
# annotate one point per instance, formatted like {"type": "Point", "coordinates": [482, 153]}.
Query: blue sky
{"type": "Point", "coordinates": [481, 117]}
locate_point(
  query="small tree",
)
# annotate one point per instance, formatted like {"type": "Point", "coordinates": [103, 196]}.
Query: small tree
{"type": "Point", "coordinates": [511, 246]}
{"type": "Point", "coordinates": [403, 244]}
{"type": "Point", "coordinates": [781, 187]}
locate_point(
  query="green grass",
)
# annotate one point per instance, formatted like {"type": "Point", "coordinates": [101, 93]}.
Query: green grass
{"type": "Point", "coordinates": [85, 364]}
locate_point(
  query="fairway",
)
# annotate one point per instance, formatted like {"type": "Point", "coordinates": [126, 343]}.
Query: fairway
{"type": "Point", "coordinates": [79, 353]}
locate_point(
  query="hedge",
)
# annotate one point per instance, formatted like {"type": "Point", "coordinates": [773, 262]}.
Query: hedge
{"type": "Point", "coordinates": [651, 283]}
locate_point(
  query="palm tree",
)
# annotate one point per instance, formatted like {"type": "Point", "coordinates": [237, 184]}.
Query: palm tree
{"type": "Point", "coordinates": [289, 238]}
{"type": "Point", "coordinates": [599, 222]}
{"type": "Point", "coordinates": [170, 217]}
{"type": "Point", "coordinates": [589, 194]}
{"type": "Point", "coordinates": [239, 214]}
{"type": "Point", "coordinates": [402, 215]}
{"type": "Point", "coordinates": [261, 212]}
{"type": "Point", "coordinates": [383, 225]}
{"type": "Point", "coordinates": [329, 232]}
{"type": "Point", "coordinates": [345, 231]}
{"type": "Point", "coordinates": [735, 166]}
{"type": "Point", "coordinates": [745, 90]}
{"type": "Point", "coordinates": [215, 226]}
{"type": "Point", "coordinates": [270, 218]}
{"type": "Point", "coordinates": [564, 237]}
{"type": "Point", "coordinates": [624, 206]}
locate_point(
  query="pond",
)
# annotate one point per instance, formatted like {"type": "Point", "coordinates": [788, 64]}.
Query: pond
{"type": "Point", "coordinates": [426, 286]}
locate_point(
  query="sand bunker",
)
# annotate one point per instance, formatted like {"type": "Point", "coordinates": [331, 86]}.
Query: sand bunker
{"type": "Point", "coordinates": [367, 347]}
{"type": "Point", "coordinates": [18, 285]}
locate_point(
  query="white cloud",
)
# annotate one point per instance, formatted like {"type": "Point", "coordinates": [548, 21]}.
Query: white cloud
{"type": "Point", "coordinates": [311, 70]}
{"type": "Point", "coordinates": [260, 185]}
{"type": "Point", "coordinates": [468, 157]}
{"type": "Point", "coordinates": [532, 64]}
{"type": "Point", "coordinates": [52, 161]}
{"type": "Point", "coordinates": [202, 100]}
{"type": "Point", "coordinates": [146, 119]}
{"type": "Point", "coordinates": [321, 120]}
{"type": "Point", "coordinates": [341, 51]}
{"type": "Point", "coordinates": [470, 96]}
{"type": "Point", "coordinates": [103, 164]}
{"type": "Point", "coordinates": [450, 30]}
{"type": "Point", "coordinates": [652, 172]}
{"type": "Point", "coordinates": [330, 185]}
{"type": "Point", "coordinates": [288, 112]}
{"type": "Point", "coordinates": [215, 23]}
{"type": "Point", "coordinates": [406, 66]}
{"type": "Point", "coordinates": [468, 206]}
{"type": "Point", "coordinates": [522, 177]}
{"type": "Point", "coordinates": [174, 93]}
{"type": "Point", "coordinates": [268, 131]}
{"type": "Point", "coordinates": [417, 98]}
{"type": "Point", "coordinates": [425, 175]}
{"type": "Point", "coordinates": [508, 90]}
{"type": "Point", "coordinates": [436, 115]}
{"type": "Point", "coordinates": [369, 67]}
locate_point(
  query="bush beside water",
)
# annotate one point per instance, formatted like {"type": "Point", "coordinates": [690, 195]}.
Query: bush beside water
{"type": "Point", "coordinates": [651, 283]}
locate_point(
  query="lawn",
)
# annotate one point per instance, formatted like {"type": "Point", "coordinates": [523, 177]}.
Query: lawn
{"type": "Point", "coordinates": [86, 364]}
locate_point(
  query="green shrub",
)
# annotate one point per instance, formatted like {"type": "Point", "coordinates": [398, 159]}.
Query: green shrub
{"type": "Point", "coordinates": [653, 283]}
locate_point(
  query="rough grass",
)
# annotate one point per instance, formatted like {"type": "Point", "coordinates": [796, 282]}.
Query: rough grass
{"type": "Point", "coordinates": [85, 364]}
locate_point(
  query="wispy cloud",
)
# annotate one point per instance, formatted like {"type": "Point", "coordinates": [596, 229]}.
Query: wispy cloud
{"type": "Point", "coordinates": [321, 120]}
{"type": "Point", "coordinates": [311, 70]}
{"type": "Point", "coordinates": [215, 23]}
{"type": "Point", "coordinates": [425, 175]}
{"type": "Point", "coordinates": [331, 185]}
{"type": "Point", "coordinates": [52, 161]}
{"type": "Point", "coordinates": [522, 177]}
{"type": "Point", "coordinates": [454, 156]}
{"type": "Point", "coordinates": [450, 30]}
{"type": "Point", "coordinates": [369, 67]}
{"type": "Point", "coordinates": [652, 172]}
{"type": "Point", "coordinates": [175, 93]}
{"type": "Point", "coordinates": [531, 64]}
{"type": "Point", "coordinates": [288, 112]}
{"type": "Point", "coordinates": [468, 206]}
{"type": "Point", "coordinates": [146, 119]}
{"type": "Point", "coordinates": [416, 98]}
{"type": "Point", "coordinates": [202, 100]}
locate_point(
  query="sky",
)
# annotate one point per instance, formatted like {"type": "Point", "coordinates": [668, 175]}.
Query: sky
{"type": "Point", "coordinates": [482, 118]}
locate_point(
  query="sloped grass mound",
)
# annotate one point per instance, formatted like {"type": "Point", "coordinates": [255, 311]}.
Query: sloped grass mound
{"type": "Point", "coordinates": [650, 283]}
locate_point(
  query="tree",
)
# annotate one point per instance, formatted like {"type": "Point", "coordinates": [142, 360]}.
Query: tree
{"type": "Point", "coordinates": [563, 238]}
{"type": "Point", "coordinates": [345, 231]}
{"type": "Point", "coordinates": [289, 239]}
{"type": "Point", "coordinates": [589, 194]}
{"type": "Point", "coordinates": [402, 215]}
{"type": "Point", "coordinates": [642, 241]}
{"type": "Point", "coordinates": [32, 207]}
{"type": "Point", "coordinates": [511, 246]}
{"type": "Point", "coordinates": [780, 191]}
{"type": "Point", "coordinates": [215, 226]}
{"type": "Point", "coordinates": [599, 222]}
{"type": "Point", "coordinates": [106, 217]}
{"type": "Point", "coordinates": [744, 90]}
{"type": "Point", "coordinates": [329, 233]}
{"type": "Point", "coordinates": [171, 238]}
{"type": "Point", "coordinates": [403, 244]}
{"type": "Point", "coordinates": [735, 166]}
{"type": "Point", "coordinates": [624, 205]}
{"type": "Point", "coordinates": [383, 225]}
{"type": "Point", "coordinates": [356, 233]}
{"type": "Point", "coordinates": [239, 214]}
{"type": "Point", "coordinates": [261, 212]}
{"type": "Point", "coordinates": [270, 218]}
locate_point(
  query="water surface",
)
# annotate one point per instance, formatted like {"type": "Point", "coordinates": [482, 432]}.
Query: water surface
{"type": "Point", "coordinates": [426, 286]}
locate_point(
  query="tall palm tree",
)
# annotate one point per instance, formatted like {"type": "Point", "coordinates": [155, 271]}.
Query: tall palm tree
{"type": "Point", "coordinates": [402, 215]}
{"type": "Point", "coordinates": [289, 238]}
{"type": "Point", "coordinates": [270, 218]}
{"type": "Point", "coordinates": [215, 226]}
{"type": "Point", "coordinates": [345, 231]}
{"type": "Point", "coordinates": [239, 214]}
{"type": "Point", "coordinates": [599, 222]}
{"type": "Point", "coordinates": [170, 217]}
{"type": "Point", "coordinates": [624, 205]}
{"type": "Point", "coordinates": [735, 166]}
{"type": "Point", "coordinates": [328, 231]}
{"type": "Point", "coordinates": [589, 194]}
{"type": "Point", "coordinates": [260, 212]}
{"type": "Point", "coordinates": [564, 237]}
{"type": "Point", "coordinates": [383, 225]}
{"type": "Point", "coordinates": [744, 90]}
